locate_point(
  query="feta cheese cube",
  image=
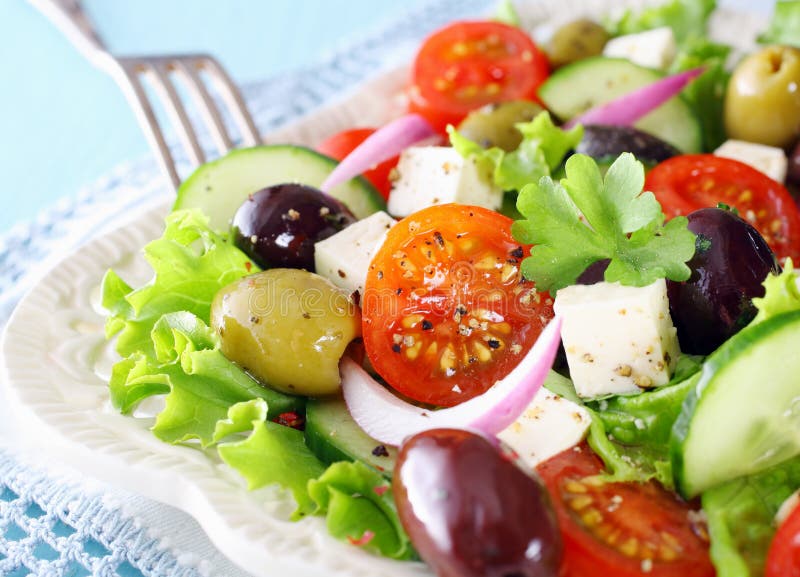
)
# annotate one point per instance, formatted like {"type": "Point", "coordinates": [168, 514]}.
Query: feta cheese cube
{"type": "Point", "coordinates": [551, 424]}
{"type": "Point", "coordinates": [430, 175]}
{"type": "Point", "coordinates": [654, 48]}
{"type": "Point", "coordinates": [618, 339]}
{"type": "Point", "coordinates": [770, 160]}
{"type": "Point", "coordinates": [344, 257]}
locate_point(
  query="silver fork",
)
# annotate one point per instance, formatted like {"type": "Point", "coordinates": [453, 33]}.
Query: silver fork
{"type": "Point", "coordinates": [162, 72]}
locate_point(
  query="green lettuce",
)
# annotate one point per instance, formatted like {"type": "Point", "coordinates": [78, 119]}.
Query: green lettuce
{"type": "Point", "coordinates": [507, 13]}
{"type": "Point", "coordinates": [541, 151]}
{"type": "Point", "coordinates": [784, 28]}
{"type": "Point", "coordinates": [200, 384]}
{"type": "Point", "coordinates": [191, 263]}
{"type": "Point", "coordinates": [631, 433]}
{"type": "Point", "coordinates": [741, 517]}
{"type": "Point", "coordinates": [687, 18]}
{"type": "Point", "coordinates": [781, 294]}
{"type": "Point", "coordinates": [274, 454]}
{"type": "Point", "coordinates": [706, 93]}
{"type": "Point", "coordinates": [360, 507]}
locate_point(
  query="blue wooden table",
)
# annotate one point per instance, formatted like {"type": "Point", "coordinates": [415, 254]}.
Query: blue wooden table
{"type": "Point", "coordinates": [63, 123]}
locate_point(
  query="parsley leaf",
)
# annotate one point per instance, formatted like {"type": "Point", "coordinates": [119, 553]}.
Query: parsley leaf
{"type": "Point", "coordinates": [687, 18]}
{"type": "Point", "coordinates": [587, 218]}
{"type": "Point", "coordinates": [541, 151]}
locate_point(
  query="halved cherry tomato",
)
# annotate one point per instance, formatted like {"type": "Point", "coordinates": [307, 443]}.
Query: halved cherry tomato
{"type": "Point", "coordinates": [783, 559]}
{"type": "Point", "coordinates": [343, 143]}
{"type": "Point", "coordinates": [621, 529]}
{"type": "Point", "coordinates": [466, 65]}
{"type": "Point", "coordinates": [686, 183]}
{"type": "Point", "coordinates": [446, 312]}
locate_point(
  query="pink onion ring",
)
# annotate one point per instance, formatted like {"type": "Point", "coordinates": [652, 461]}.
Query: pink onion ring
{"type": "Point", "coordinates": [388, 419]}
{"type": "Point", "coordinates": [629, 108]}
{"type": "Point", "coordinates": [381, 145]}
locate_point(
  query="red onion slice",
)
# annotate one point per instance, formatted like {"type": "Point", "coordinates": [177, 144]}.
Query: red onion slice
{"type": "Point", "coordinates": [388, 419]}
{"type": "Point", "coordinates": [383, 144]}
{"type": "Point", "coordinates": [629, 108]}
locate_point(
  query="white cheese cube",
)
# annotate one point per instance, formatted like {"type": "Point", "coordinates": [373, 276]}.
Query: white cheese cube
{"type": "Point", "coordinates": [344, 257]}
{"type": "Point", "coordinates": [768, 159]}
{"type": "Point", "coordinates": [654, 48]}
{"type": "Point", "coordinates": [551, 424]}
{"type": "Point", "coordinates": [430, 175]}
{"type": "Point", "coordinates": [618, 339]}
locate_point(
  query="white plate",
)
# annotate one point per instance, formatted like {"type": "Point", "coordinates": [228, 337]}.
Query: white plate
{"type": "Point", "coordinates": [57, 364]}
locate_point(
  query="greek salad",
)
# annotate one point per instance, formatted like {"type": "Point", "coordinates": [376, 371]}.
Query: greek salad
{"type": "Point", "coordinates": [546, 323]}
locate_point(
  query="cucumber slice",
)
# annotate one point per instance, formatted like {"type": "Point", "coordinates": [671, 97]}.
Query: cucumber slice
{"type": "Point", "coordinates": [744, 414]}
{"type": "Point", "coordinates": [221, 186]}
{"type": "Point", "coordinates": [333, 435]}
{"type": "Point", "coordinates": [576, 88]}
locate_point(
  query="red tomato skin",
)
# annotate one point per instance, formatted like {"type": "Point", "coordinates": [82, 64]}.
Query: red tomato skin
{"type": "Point", "coordinates": [686, 183]}
{"type": "Point", "coordinates": [431, 287]}
{"type": "Point", "coordinates": [783, 559]}
{"type": "Point", "coordinates": [469, 64]}
{"type": "Point", "coordinates": [343, 143]}
{"type": "Point", "coordinates": [586, 556]}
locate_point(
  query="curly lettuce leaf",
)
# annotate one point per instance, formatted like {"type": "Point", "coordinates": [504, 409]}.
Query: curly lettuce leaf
{"type": "Point", "coordinates": [741, 516]}
{"type": "Point", "coordinates": [200, 384]}
{"type": "Point", "coordinates": [784, 28]}
{"type": "Point", "coordinates": [541, 151]}
{"type": "Point", "coordinates": [687, 18]}
{"type": "Point", "coordinates": [706, 93]}
{"type": "Point", "coordinates": [587, 218]}
{"type": "Point", "coordinates": [191, 263]}
{"type": "Point", "coordinates": [781, 294]}
{"type": "Point", "coordinates": [240, 419]}
{"type": "Point", "coordinates": [360, 508]}
{"type": "Point", "coordinates": [273, 454]}
{"type": "Point", "coordinates": [507, 13]}
{"type": "Point", "coordinates": [631, 433]}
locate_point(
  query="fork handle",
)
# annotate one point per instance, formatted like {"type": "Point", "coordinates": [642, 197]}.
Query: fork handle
{"type": "Point", "coordinates": [69, 17]}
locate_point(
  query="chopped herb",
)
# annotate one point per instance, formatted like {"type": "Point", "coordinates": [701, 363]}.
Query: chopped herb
{"type": "Point", "coordinates": [586, 218]}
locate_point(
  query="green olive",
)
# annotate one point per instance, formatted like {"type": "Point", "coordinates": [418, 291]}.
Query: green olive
{"type": "Point", "coordinates": [493, 125]}
{"type": "Point", "coordinates": [575, 41]}
{"type": "Point", "coordinates": [288, 328]}
{"type": "Point", "coordinates": [762, 103]}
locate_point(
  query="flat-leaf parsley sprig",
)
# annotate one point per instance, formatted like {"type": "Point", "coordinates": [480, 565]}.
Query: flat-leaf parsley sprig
{"type": "Point", "coordinates": [587, 218]}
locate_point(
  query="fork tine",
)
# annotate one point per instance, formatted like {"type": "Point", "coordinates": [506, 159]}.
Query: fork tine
{"type": "Point", "coordinates": [208, 108]}
{"type": "Point", "coordinates": [233, 100]}
{"type": "Point", "coordinates": [128, 78]}
{"type": "Point", "coordinates": [160, 75]}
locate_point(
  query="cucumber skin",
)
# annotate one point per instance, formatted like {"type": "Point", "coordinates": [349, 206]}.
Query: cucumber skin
{"type": "Point", "coordinates": [193, 190]}
{"type": "Point", "coordinates": [322, 443]}
{"type": "Point", "coordinates": [562, 76]}
{"type": "Point", "coordinates": [732, 348]}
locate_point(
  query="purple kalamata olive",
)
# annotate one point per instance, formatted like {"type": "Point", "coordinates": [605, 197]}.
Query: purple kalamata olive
{"type": "Point", "coordinates": [730, 264]}
{"type": "Point", "coordinates": [278, 225]}
{"type": "Point", "coordinates": [471, 511]}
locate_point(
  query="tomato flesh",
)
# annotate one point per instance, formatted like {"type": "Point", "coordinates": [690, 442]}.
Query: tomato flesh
{"type": "Point", "coordinates": [467, 65]}
{"type": "Point", "coordinates": [621, 529]}
{"type": "Point", "coordinates": [689, 182]}
{"type": "Point", "coordinates": [445, 311]}
{"type": "Point", "coordinates": [343, 143]}
{"type": "Point", "coordinates": [783, 559]}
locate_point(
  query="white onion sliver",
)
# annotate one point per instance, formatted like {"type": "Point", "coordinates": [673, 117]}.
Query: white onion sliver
{"type": "Point", "coordinates": [388, 419]}
{"type": "Point", "coordinates": [381, 145]}
{"type": "Point", "coordinates": [629, 108]}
